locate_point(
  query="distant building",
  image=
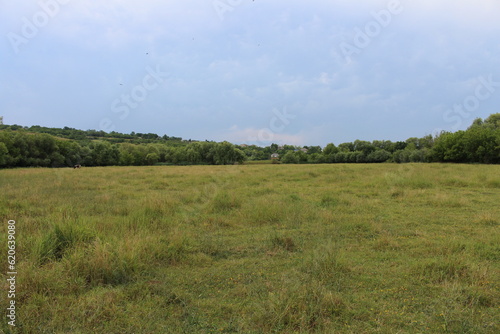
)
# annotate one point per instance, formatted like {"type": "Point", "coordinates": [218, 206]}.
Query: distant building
{"type": "Point", "coordinates": [304, 150]}
{"type": "Point", "coordinates": [275, 156]}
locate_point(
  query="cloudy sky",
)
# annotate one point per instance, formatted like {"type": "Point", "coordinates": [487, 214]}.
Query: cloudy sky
{"type": "Point", "coordinates": [285, 71]}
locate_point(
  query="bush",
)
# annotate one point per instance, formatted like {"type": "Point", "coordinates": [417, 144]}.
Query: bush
{"type": "Point", "coordinates": [379, 156]}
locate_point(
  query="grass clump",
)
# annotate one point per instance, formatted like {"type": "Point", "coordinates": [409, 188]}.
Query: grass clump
{"type": "Point", "coordinates": [328, 201]}
{"type": "Point", "coordinates": [284, 243]}
{"type": "Point", "coordinates": [59, 240]}
{"type": "Point", "coordinates": [300, 307]}
{"type": "Point", "coordinates": [223, 202]}
{"type": "Point", "coordinates": [100, 264]}
{"type": "Point", "coordinates": [440, 271]}
{"type": "Point", "coordinates": [327, 265]}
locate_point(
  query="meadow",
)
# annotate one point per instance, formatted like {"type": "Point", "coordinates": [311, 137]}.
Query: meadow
{"type": "Point", "coordinates": [343, 248]}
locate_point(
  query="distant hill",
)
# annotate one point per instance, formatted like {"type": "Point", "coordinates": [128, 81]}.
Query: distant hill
{"type": "Point", "coordinates": [38, 146]}
{"type": "Point", "coordinates": [82, 135]}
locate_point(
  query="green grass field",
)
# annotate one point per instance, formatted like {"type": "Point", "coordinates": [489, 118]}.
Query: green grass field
{"type": "Point", "coordinates": [254, 249]}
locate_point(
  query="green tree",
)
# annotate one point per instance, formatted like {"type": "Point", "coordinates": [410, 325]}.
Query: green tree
{"type": "Point", "coordinates": [378, 156]}
{"type": "Point", "coordinates": [152, 158]}
{"type": "Point", "coordinates": [290, 158]}
{"type": "Point", "coordinates": [341, 157]}
{"type": "Point", "coordinates": [399, 145]}
{"type": "Point", "coordinates": [226, 153]}
{"type": "Point", "coordinates": [126, 156]}
{"type": "Point", "coordinates": [313, 149]}
{"type": "Point", "coordinates": [193, 153]}
{"type": "Point", "coordinates": [346, 147]}
{"type": "Point", "coordinates": [104, 153]}
{"type": "Point", "coordinates": [330, 149]}
{"type": "Point", "coordinates": [449, 147]}
{"type": "Point", "coordinates": [316, 158]}
{"type": "Point", "coordinates": [482, 144]}
{"type": "Point", "coordinates": [4, 155]}
{"type": "Point", "coordinates": [71, 152]}
{"type": "Point", "coordinates": [493, 121]}
{"type": "Point", "coordinates": [363, 146]}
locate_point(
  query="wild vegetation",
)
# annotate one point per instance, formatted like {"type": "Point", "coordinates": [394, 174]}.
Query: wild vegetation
{"type": "Point", "coordinates": [344, 248]}
{"type": "Point", "coordinates": [48, 147]}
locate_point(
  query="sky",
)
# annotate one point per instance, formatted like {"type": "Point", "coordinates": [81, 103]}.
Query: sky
{"type": "Point", "coordinates": [251, 71]}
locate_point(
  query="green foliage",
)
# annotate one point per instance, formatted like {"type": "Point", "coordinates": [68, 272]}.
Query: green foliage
{"type": "Point", "coordinates": [493, 121]}
{"type": "Point", "coordinates": [378, 156]}
{"type": "Point", "coordinates": [478, 144]}
{"type": "Point", "coordinates": [290, 158]}
{"type": "Point", "coordinates": [226, 153]}
{"type": "Point", "coordinates": [39, 147]}
{"type": "Point", "coordinates": [23, 149]}
{"type": "Point", "coordinates": [330, 149]}
{"type": "Point", "coordinates": [152, 158]}
{"type": "Point", "coordinates": [103, 153]}
{"type": "Point", "coordinates": [4, 154]}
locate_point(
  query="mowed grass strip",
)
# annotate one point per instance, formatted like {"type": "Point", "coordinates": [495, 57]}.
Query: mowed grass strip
{"type": "Point", "coordinates": [255, 249]}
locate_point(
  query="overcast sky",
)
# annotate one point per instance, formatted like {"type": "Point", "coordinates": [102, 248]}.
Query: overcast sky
{"type": "Point", "coordinates": [285, 71]}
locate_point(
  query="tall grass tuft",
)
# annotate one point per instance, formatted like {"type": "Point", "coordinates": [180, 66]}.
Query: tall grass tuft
{"type": "Point", "coordinates": [301, 308]}
{"type": "Point", "coordinates": [173, 249]}
{"type": "Point", "coordinates": [267, 210]}
{"type": "Point", "coordinates": [55, 244]}
{"type": "Point", "coordinates": [223, 202]}
{"type": "Point", "coordinates": [328, 201]}
{"type": "Point", "coordinates": [444, 270]}
{"type": "Point", "coordinates": [100, 264]}
{"type": "Point", "coordinates": [327, 265]}
{"type": "Point", "coordinates": [282, 242]}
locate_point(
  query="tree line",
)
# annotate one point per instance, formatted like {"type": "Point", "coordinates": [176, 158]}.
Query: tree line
{"type": "Point", "coordinates": [88, 135]}
{"type": "Point", "coordinates": [24, 149]}
{"type": "Point", "coordinates": [51, 147]}
{"type": "Point", "coordinates": [480, 143]}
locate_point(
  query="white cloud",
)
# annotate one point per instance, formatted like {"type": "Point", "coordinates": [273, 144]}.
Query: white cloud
{"type": "Point", "coordinates": [260, 137]}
